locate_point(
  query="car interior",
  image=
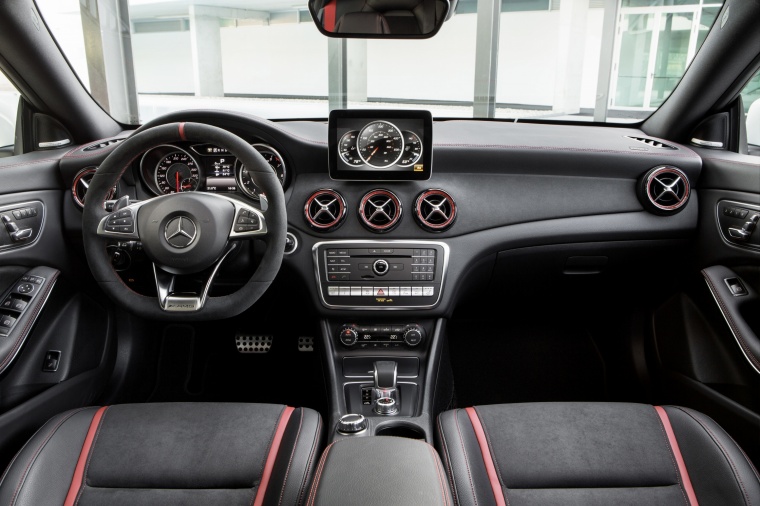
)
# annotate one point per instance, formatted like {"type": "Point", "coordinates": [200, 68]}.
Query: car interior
{"type": "Point", "coordinates": [378, 303]}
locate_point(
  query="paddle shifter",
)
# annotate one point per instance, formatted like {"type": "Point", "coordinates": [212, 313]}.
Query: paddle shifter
{"type": "Point", "coordinates": [385, 398]}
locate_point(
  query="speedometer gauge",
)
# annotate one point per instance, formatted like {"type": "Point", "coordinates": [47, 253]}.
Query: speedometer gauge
{"type": "Point", "coordinates": [177, 172]}
{"type": "Point", "coordinates": [412, 149]}
{"type": "Point", "coordinates": [273, 158]}
{"type": "Point", "coordinates": [380, 144]}
{"type": "Point", "coordinates": [348, 149]}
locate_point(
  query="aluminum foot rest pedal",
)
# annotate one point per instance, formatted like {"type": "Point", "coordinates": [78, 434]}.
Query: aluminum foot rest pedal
{"type": "Point", "coordinates": [253, 344]}
{"type": "Point", "coordinates": [305, 343]}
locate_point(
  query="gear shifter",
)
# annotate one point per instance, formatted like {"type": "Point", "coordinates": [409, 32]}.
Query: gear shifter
{"type": "Point", "coordinates": [384, 394]}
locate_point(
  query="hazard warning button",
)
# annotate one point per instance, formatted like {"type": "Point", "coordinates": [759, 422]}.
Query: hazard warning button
{"type": "Point", "coordinates": [381, 291]}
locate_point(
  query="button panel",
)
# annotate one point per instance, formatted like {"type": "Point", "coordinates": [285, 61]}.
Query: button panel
{"type": "Point", "coordinates": [13, 305]}
{"type": "Point", "coordinates": [377, 274]}
{"type": "Point", "coordinates": [20, 224]}
{"type": "Point", "coordinates": [738, 223]}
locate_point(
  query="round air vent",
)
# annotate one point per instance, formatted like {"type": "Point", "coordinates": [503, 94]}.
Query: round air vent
{"type": "Point", "coordinates": [82, 183]}
{"type": "Point", "coordinates": [380, 210]}
{"type": "Point", "coordinates": [435, 210]}
{"type": "Point", "coordinates": [325, 210]}
{"type": "Point", "coordinates": [664, 190]}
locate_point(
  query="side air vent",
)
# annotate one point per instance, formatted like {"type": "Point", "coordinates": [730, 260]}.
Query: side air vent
{"type": "Point", "coordinates": [82, 184]}
{"type": "Point", "coordinates": [102, 145]}
{"type": "Point", "coordinates": [652, 142]}
{"type": "Point", "coordinates": [380, 210]}
{"type": "Point", "coordinates": [325, 210]}
{"type": "Point", "coordinates": [435, 210]}
{"type": "Point", "coordinates": [664, 190]}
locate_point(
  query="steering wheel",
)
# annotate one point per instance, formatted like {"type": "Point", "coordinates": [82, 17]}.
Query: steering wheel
{"type": "Point", "coordinates": [185, 233]}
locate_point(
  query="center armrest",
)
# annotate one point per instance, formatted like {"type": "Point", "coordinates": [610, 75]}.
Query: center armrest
{"type": "Point", "coordinates": [379, 471]}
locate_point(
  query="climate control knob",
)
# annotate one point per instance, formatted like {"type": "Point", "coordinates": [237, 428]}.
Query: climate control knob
{"type": "Point", "coordinates": [348, 336]}
{"type": "Point", "coordinates": [413, 335]}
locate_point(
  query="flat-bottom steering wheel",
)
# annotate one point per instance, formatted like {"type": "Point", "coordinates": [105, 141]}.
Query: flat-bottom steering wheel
{"type": "Point", "coordinates": [185, 233]}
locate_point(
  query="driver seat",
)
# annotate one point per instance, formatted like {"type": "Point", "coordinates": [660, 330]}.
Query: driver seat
{"type": "Point", "coordinates": [171, 453]}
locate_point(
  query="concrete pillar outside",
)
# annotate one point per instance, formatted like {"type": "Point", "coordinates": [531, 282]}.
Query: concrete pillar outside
{"type": "Point", "coordinates": [206, 45]}
{"type": "Point", "coordinates": [571, 45]}
{"type": "Point", "coordinates": [356, 68]}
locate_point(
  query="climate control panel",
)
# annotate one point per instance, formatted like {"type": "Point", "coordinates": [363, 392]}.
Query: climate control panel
{"type": "Point", "coordinates": [385, 335]}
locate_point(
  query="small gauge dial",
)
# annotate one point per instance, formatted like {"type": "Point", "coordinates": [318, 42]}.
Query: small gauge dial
{"type": "Point", "coordinates": [412, 149]}
{"type": "Point", "coordinates": [177, 172]}
{"type": "Point", "coordinates": [348, 148]}
{"type": "Point", "coordinates": [273, 158]}
{"type": "Point", "coordinates": [380, 144]}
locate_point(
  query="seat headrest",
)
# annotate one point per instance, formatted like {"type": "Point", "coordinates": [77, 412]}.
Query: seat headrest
{"type": "Point", "coordinates": [362, 22]}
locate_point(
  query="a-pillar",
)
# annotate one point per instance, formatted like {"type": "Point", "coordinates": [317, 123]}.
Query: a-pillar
{"type": "Point", "coordinates": [206, 46]}
{"type": "Point", "coordinates": [570, 54]}
{"type": "Point", "coordinates": [108, 48]}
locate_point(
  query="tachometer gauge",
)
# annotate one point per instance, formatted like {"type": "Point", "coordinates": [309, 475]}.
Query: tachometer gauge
{"type": "Point", "coordinates": [347, 147]}
{"type": "Point", "coordinates": [380, 144]}
{"type": "Point", "coordinates": [412, 149]}
{"type": "Point", "coordinates": [273, 158]}
{"type": "Point", "coordinates": [177, 172]}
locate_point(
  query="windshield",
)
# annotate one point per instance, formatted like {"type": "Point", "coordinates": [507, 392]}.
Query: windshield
{"type": "Point", "coordinates": [543, 59]}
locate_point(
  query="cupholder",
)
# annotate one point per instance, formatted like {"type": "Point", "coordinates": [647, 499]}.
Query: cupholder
{"type": "Point", "coordinates": [401, 430]}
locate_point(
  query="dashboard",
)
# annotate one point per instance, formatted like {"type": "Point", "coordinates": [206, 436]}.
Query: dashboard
{"type": "Point", "coordinates": [176, 168]}
{"type": "Point", "coordinates": [382, 242]}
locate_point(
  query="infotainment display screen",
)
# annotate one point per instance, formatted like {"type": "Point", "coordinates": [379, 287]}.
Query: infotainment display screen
{"type": "Point", "coordinates": [380, 145]}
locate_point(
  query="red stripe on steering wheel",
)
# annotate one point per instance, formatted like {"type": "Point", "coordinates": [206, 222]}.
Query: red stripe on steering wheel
{"type": "Point", "coordinates": [182, 132]}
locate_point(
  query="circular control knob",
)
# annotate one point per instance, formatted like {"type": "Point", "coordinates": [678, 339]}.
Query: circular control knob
{"type": "Point", "coordinates": [413, 335]}
{"type": "Point", "coordinates": [348, 336]}
{"type": "Point", "coordinates": [352, 424]}
{"type": "Point", "coordinates": [380, 267]}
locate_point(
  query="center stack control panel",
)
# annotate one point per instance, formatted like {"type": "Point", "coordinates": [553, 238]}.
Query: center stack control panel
{"type": "Point", "coordinates": [380, 274]}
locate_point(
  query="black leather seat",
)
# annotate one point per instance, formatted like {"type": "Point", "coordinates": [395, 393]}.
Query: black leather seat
{"type": "Point", "coordinates": [592, 454]}
{"type": "Point", "coordinates": [174, 453]}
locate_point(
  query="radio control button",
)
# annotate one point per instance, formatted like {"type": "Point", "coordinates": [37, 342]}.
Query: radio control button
{"type": "Point", "coordinates": [428, 291]}
{"type": "Point", "coordinates": [397, 267]}
{"type": "Point", "coordinates": [393, 291]}
{"type": "Point", "coordinates": [356, 291]}
{"type": "Point", "coordinates": [406, 291]}
{"type": "Point", "coordinates": [364, 267]}
{"type": "Point", "coordinates": [333, 291]}
{"type": "Point", "coordinates": [367, 291]}
{"type": "Point", "coordinates": [345, 291]}
{"type": "Point", "coordinates": [416, 291]}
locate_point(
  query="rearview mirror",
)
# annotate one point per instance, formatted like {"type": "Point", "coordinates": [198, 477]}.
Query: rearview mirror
{"type": "Point", "coordinates": [381, 19]}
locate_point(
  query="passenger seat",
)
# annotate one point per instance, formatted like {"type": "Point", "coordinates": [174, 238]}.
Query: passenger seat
{"type": "Point", "coordinates": [592, 454]}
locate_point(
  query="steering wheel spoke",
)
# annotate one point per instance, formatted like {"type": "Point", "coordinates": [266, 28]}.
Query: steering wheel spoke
{"type": "Point", "coordinates": [170, 300]}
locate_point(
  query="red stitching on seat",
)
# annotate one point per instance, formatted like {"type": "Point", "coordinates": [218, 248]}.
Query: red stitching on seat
{"type": "Point", "coordinates": [678, 462]}
{"type": "Point", "coordinates": [493, 477]}
{"type": "Point", "coordinates": [440, 478]}
{"type": "Point", "coordinates": [290, 460]}
{"type": "Point", "coordinates": [447, 462]}
{"type": "Point", "coordinates": [313, 451]}
{"type": "Point", "coordinates": [272, 456]}
{"type": "Point", "coordinates": [323, 460]}
{"type": "Point", "coordinates": [77, 481]}
{"type": "Point", "coordinates": [37, 453]}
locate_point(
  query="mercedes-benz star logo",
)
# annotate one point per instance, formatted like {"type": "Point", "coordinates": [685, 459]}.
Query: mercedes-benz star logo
{"type": "Point", "coordinates": [180, 232]}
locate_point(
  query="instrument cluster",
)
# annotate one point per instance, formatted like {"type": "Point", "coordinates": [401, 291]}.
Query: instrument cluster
{"type": "Point", "coordinates": [171, 168]}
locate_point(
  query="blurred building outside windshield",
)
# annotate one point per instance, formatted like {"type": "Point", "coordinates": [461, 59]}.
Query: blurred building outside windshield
{"type": "Point", "coordinates": [594, 60]}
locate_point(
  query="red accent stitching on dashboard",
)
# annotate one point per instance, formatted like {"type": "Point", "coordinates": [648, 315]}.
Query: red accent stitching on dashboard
{"type": "Point", "coordinates": [78, 479]}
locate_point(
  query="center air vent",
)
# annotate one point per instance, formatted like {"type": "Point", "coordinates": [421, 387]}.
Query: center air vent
{"type": "Point", "coordinates": [664, 190]}
{"type": "Point", "coordinates": [82, 184]}
{"type": "Point", "coordinates": [380, 210]}
{"type": "Point", "coordinates": [325, 210]}
{"type": "Point", "coordinates": [435, 210]}
{"type": "Point", "coordinates": [652, 142]}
